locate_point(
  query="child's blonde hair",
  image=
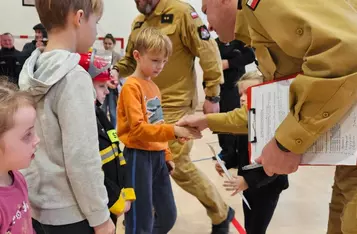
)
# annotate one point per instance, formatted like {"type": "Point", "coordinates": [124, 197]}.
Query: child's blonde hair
{"type": "Point", "coordinates": [153, 40]}
{"type": "Point", "coordinates": [11, 99]}
{"type": "Point", "coordinates": [54, 13]}
{"type": "Point", "coordinates": [253, 75]}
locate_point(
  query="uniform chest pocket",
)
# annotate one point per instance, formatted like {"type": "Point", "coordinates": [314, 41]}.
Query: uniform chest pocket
{"type": "Point", "coordinates": [169, 29]}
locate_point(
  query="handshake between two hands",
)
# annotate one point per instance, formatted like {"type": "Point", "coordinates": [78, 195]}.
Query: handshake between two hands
{"type": "Point", "coordinates": [190, 127]}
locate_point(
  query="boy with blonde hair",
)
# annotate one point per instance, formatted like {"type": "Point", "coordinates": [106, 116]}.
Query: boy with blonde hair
{"type": "Point", "coordinates": [66, 182]}
{"type": "Point", "coordinates": [261, 190]}
{"type": "Point", "coordinates": [142, 129]}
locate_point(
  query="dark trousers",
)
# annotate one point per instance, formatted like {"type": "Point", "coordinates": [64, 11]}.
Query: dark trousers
{"type": "Point", "coordinates": [154, 211]}
{"type": "Point", "coordinates": [75, 228]}
{"type": "Point", "coordinates": [263, 202]}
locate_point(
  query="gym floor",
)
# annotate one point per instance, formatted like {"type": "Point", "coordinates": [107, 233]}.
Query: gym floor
{"type": "Point", "coordinates": [303, 208]}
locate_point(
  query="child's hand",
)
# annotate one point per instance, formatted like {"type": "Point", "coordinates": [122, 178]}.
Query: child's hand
{"type": "Point", "coordinates": [187, 132]}
{"type": "Point", "coordinates": [127, 206]}
{"type": "Point", "coordinates": [237, 184]}
{"type": "Point", "coordinates": [183, 140]}
{"type": "Point", "coordinates": [219, 169]}
{"type": "Point", "coordinates": [170, 166]}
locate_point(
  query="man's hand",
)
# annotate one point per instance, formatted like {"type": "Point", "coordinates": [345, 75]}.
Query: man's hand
{"type": "Point", "coordinates": [276, 161]}
{"type": "Point", "coordinates": [210, 107]}
{"type": "Point", "coordinates": [105, 228]}
{"type": "Point", "coordinates": [225, 64]}
{"type": "Point", "coordinates": [195, 121]}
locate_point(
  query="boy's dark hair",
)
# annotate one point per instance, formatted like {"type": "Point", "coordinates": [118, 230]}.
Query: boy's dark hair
{"type": "Point", "coordinates": [110, 36]}
{"type": "Point", "coordinates": [54, 13]}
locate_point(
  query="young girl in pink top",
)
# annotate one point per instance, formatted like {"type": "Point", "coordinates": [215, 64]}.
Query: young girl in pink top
{"type": "Point", "coordinates": [18, 142]}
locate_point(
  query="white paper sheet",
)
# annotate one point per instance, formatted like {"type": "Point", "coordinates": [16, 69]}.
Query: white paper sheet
{"type": "Point", "coordinates": [338, 146]}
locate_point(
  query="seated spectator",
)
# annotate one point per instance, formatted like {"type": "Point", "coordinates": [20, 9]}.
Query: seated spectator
{"type": "Point", "coordinates": [11, 59]}
{"type": "Point", "coordinates": [40, 40]}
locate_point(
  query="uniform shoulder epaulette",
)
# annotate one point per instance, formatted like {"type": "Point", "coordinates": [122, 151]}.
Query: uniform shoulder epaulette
{"type": "Point", "coordinates": [138, 22]}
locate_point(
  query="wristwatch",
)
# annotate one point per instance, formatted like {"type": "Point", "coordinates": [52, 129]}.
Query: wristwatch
{"type": "Point", "coordinates": [213, 99]}
{"type": "Point", "coordinates": [281, 147]}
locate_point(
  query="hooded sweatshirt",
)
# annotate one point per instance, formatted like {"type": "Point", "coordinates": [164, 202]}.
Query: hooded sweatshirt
{"type": "Point", "coordinates": [65, 180]}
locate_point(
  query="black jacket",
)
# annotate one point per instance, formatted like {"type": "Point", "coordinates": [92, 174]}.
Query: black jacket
{"type": "Point", "coordinates": [29, 48]}
{"type": "Point", "coordinates": [238, 56]}
{"type": "Point", "coordinates": [113, 163]}
{"type": "Point", "coordinates": [11, 62]}
{"type": "Point", "coordinates": [255, 178]}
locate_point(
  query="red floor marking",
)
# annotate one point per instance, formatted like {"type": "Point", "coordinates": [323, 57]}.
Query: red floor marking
{"type": "Point", "coordinates": [237, 225]}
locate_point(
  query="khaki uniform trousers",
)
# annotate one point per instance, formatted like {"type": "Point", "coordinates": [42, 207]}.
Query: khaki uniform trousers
{"type": "Point", "coordinates": [187, 175]}
{"type": "Point", "coordinates": [343, 206]}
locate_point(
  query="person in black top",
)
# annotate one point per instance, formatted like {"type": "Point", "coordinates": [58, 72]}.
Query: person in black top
{"type": "Point", "coordinates": [41, 39]}
{"type": "Point", "coordinates": [235, 56]}
{"type": "Point", "coordinates": [11, 60]}
{"type": "Point", "coordinates": [261, 191]}
{"type": "Point", "coordinates": [114, 164]}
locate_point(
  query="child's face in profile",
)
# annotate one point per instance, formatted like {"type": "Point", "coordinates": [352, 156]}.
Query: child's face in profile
{"type": "Point", "coordinates": [18, 144]}
{"type": "Point", "coordinates": [151, 63]}
{"type": "Point", "coordinates": [243, 86]}
{"type": "Point", "coordinates": [101, 90]}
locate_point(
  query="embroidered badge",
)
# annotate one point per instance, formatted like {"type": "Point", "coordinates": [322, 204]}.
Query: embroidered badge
{"type": "Point", "coordinates": [203, 32]}
{"type": "Point", "coordinates": [194, 15]}
{"type": "Point", "coordinates": [252, 4]}
{"type": "Point", "coordinates": [167, 18]}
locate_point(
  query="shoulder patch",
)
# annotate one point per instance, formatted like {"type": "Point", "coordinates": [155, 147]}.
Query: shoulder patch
{"type": "Point", "coordinates": [252, 4]}
{"type": "Point", "coordinates": [194, 15]}
{"type": "Point", "coordinates": [203, 33]}
{"type": "Point", "coordinates": [138, 25]}
{"type": "Point", "coordinates": [167, 18]}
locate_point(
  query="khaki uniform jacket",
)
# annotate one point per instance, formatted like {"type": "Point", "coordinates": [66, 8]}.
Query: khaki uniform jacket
{"type": "Point", "coordinates": [190, 39]}
{"type": "Point", "coordinates": [317, 38]}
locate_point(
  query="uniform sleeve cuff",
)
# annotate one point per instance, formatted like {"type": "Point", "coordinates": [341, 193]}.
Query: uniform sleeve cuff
{"type": "Point", "coordinates": [171, 131]}
{"type": "Point", "coordinates": [293, 136]}
{"type": "Point", "coordinates": [231, 122]}
{"type": "Point", "coordinates": [129, 194]}
{"type": "Point", "coordinates": [118, 207]}
{"type": "Point", "coordinates": [215, 121]}
{"type": "Point", "coordinates": [213, 91]}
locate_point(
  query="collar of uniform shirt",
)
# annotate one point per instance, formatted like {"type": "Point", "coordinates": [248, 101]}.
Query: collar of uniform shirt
{"type": "Point", "coordinates": [160, 7]}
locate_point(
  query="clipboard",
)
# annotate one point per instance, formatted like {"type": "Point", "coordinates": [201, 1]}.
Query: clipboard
{"type": "Point", "coordinates": [338, 146]}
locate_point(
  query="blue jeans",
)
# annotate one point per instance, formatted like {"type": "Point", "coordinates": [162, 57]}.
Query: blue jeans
{"type": "Point", "coordinates": [111, 102]}
{"type": "Point", "coordinates": [150, 179]}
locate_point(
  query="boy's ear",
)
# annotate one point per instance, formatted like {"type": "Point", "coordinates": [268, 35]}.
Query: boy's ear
{"type": "Point", "coordinates": [78, 18]}
{"type": "Point", "coordinates": [136, 55]}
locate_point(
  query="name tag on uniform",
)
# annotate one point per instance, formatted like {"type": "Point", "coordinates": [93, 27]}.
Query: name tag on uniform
{"type": "Point", "coordinates": [167, 18]}
{"type": "Point", "coordinates": [113, 136]}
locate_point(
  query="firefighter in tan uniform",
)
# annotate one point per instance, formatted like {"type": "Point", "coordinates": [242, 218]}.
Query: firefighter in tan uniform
{"type": "Point", "coordinates": [177, 83]}
{"type": "Point", "coordinates": [318, 39]}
